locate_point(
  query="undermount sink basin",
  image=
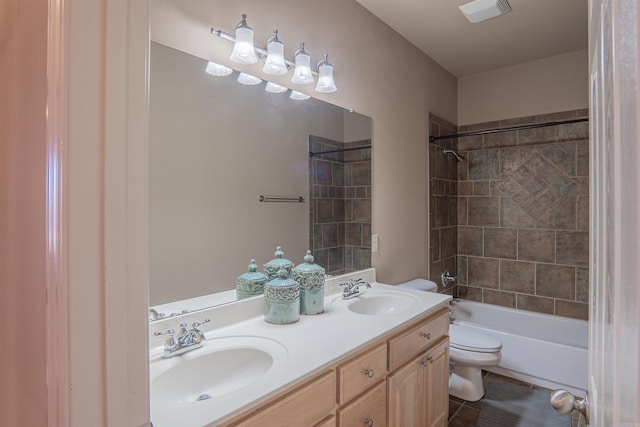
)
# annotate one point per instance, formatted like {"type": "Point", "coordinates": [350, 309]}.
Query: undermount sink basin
{"type": "Point", "coordinates": [382, 303]}
{"type": "Point", "coordinates": [222, 366]}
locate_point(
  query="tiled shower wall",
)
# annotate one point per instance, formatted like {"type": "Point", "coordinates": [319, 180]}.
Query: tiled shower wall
{"type": "Point", "coordinates": [522, 215]}
{"type": "Point", "coordinates": [340, 213]}
{"type": "Point", "coordinates": [443, 203]}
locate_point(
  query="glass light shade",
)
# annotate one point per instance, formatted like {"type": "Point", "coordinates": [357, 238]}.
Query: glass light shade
{"type": "Point", "coordinates": [298, 96]}
{"type": "Point", "coordinates": [274, 64]}
{"type": "Point", "coordinates": [243, 50]}
{"type": "Point", "coordinates": [302, 73]}
{"type": "Point", "coordinates": [275, 88]}
{"type": "Point", "coordinates": [325, 79]}
{"type": "Point", "coordinates": [218, 70]}
{"type": "Point", "coordinates": [248, 79]}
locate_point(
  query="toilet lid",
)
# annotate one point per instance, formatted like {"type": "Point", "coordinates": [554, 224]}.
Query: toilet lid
{"type": "Point", "coordinates": [471, 340]}
{"type": "Point", "coordinates": [420, 285]}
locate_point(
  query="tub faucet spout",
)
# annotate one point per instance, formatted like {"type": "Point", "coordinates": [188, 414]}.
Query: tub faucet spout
{"type": "Point", "coordinates": [448, 280]}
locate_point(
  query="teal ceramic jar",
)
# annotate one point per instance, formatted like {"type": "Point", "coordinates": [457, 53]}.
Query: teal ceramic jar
{"type": "Point", "coordinates": [272, 268]}
{"type": "Point", "coordinates": [251, 283]}
{"type": "Point", "coordinates": [282, 300]}
{"type": "Point", "coordinates": [310, 276]}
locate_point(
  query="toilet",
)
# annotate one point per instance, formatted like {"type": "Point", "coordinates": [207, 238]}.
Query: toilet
{"type": "Point", "coordinates": [469, 352]}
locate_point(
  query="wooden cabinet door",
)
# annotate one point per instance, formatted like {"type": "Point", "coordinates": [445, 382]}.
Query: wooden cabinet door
{"type": "Point", "coordinates": [418, 392]}
{"type": "Point", "coordinates": [436, 380]}
{"type": "Point", "coordinates": [405, 390]}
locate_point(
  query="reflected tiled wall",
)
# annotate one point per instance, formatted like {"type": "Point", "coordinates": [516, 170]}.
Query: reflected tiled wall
{"type": "Point", "coordinates": [523, 216]}
{"type": "Point", "coordinates": [340, 212]}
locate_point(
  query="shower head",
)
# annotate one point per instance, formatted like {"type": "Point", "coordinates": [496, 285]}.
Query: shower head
{"type": "Point", "coordinates": [458, 157]}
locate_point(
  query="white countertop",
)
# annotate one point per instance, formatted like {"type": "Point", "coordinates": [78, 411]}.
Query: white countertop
{"type": "Point", "coordinates": [309, 345]}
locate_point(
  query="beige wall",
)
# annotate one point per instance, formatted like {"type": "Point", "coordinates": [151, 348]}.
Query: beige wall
{"type": "Point", "coordinates": [378, 74]}
{"type": "Point", "coordinates": [106, 311]}
{"type": "Point", "coordinates": [356, 127]}
{"type": "Point", "coordinates": [214, 147]}
{"type": "Point", "coordinates": [557, 83]}
{"type": "Point", "coordinates": [23, 151]}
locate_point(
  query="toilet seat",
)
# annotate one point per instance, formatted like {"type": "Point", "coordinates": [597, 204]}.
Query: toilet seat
{"type": "Point", "coordinates": [471, 340]}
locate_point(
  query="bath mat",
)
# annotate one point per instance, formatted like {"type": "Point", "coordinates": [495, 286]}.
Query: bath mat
{"type": "Point", "coordinates": [512, 405]}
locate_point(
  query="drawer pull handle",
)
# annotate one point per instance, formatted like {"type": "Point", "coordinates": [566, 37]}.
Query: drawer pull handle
{"type": "Point", "coordinates": [368, 422]}
{"type": "Point", "coordinates": [426, 335]}
{"type": "Point", "coordinates": [369, 373]}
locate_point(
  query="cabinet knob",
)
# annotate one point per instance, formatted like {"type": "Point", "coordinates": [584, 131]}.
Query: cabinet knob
{"type": "Point", "coordinates": [369, 373]}
{"type": "Point", "coordinates": [426, 335]}
{"type": "Point", "coordinates": [368, 422]}
{"type": "Point", "coordinates": [426, 361]}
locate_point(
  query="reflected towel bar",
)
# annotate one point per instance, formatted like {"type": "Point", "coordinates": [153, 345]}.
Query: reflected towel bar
{"type": "Point", "coordinates": [342, 150]}
{"type": "Point", "coordinates": [266, 199]}
{"type": "Point", "coordinates": [507, 129]}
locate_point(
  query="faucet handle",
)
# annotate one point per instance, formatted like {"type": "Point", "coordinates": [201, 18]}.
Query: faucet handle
{"type": "Point", "coordinates": [170, 342]}
{"type": "Point", "coordinates": [202, 322]}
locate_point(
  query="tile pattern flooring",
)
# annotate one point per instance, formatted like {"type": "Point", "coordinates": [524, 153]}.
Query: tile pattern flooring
{"type": "Point", "coordinates": [465, 414]}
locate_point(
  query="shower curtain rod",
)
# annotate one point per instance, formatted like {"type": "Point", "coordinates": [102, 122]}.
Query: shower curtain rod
{"type": "Point", "coordinates": [509, 129]}
{"type": "Point", "coordinates": [311, 153]}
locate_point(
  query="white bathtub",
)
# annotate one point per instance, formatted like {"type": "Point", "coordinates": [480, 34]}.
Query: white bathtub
{"type": "Point", "coordinates": [548, 351]}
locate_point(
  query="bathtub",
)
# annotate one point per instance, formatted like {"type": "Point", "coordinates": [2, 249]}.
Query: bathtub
{"type": "Point", "coordinates": [545, 350]}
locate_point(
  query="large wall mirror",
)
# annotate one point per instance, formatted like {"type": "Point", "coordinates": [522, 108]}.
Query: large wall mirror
{"type": "Point", "coordinates": [215, 147]}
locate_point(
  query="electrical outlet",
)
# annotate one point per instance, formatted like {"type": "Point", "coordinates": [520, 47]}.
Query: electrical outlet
{"type": "Point", "coordinates": [374, 243]}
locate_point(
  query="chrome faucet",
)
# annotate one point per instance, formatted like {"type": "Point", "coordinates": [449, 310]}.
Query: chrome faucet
{"type": "Point", "coordinates": [352, 288]}
{"type": "Point", "coordinates": [448, 280]}
{"type": "Point", "coordinates": [154, 315]}
{"type": "Point", "coordinates": [186, 340]}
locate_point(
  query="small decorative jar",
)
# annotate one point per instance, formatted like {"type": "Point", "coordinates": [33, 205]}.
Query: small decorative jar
{"type": "Point", "coordinates": [272, 268]}
{"type": "Point", "coordinates": [282, 300]}
{"type": "Point", "coordinates": [311, 279]}
{"type": "Point", "coordinates": [251, 283]}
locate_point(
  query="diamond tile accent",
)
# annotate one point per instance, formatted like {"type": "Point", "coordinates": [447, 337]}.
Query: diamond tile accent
{"type": "Point", "coordinates": [537, 186]}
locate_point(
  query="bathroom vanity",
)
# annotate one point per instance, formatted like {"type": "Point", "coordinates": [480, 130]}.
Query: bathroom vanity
{"type": "Point", "coordinates": [378, 359]}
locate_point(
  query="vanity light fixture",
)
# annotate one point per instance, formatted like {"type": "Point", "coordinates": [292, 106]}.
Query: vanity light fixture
{"type": "Point", "coordinates": [325, 80]}
{"type": "Point", "coordinates": [243, 49]}
{"type": "Point", "coordinates": [298, 96]}
{"type": "Point", "coordinates": [275, 63]}
{"type": "Point", "coordinates": [217, 69]}
{"type": "Point", "coordinates": [302, 73]}
{"type": "Point", "coordinates": [248, 79]}
{"type": "Point", "coordinates": [275, 88]}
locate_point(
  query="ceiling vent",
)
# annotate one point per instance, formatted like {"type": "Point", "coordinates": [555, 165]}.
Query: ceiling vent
{"type": "Point", "coordinates": [481, 10]}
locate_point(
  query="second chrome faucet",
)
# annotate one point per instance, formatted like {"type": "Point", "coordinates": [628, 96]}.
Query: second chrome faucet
{"type": "Point", "coordinates": [186, 339]}
{"type": "Point", "coordinates": [351, 288]}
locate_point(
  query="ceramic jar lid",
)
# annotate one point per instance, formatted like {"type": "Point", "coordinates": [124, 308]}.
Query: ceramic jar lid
{"type": "Point", "coordinates": [272, 268]}
{"type": "Point", "coordinates": [308, 274]}
{"type": "Point", "coordinates": [282, 280]}
{"type": "Point", "coordinates": [251, 283]}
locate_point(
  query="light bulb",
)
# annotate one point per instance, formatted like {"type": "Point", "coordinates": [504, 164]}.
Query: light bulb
{"type": "Point", "coordinates": [248, 79]}
{"type": "Point", "coordinates": [325, 78]}
{"type": "Point", "coordinates": [275, 88]}
{"type": "Point", "coordinates": [302, 73]}
{"type": "Point", "coordinates": [274, 64]}
{"type": "Point", "coordinates": [244, 51]}
{"type": "Point", "coordinates": [217, 70]}
{"type": "Point", "coordinates": [298, 96]}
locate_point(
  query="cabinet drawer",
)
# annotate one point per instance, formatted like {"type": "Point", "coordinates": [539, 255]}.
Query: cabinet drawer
{"type": "Point", "coordinates": [406, 345]}
{"type": "Point", "coordinates": [304, 407]}
{"type": "Point", "coordinates": [359, 374]}
{"type": "Point", "coordinates": [371, 407]}
{"type": "Point", "coordinates": [329, 422]}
